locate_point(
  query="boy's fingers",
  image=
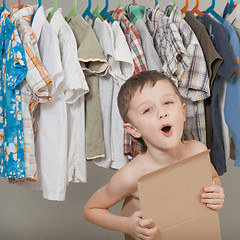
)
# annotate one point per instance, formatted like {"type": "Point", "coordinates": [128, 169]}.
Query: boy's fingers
{"type": "Point", "coordinates": [213, 195]}
{"type": "Point", "coordinates": [145, 222]}
{"type": "Point", "coordinates": [214, 207]}
{"type": "Point", "coordinates": [213, 201]}
{"type": "Point", "coordinates": [214, 188]}
{"type": "Point", "coordinates": [149, 231]}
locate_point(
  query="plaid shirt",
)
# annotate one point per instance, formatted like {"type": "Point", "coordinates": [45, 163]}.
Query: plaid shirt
{"type": "Point", "coordinates": [131, 146]}
{"type": "Point", "coordinates": [194, 84]}
{"type": "Point", "coordinates": [168, 44]}
{"type": "Point", "coordinates": [34, 88]}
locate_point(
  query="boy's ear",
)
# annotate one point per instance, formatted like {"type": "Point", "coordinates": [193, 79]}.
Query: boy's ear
{"type": "Point", "coordinates": [184, 110]}
{"type": "Point", "coordinates": [132, 130]}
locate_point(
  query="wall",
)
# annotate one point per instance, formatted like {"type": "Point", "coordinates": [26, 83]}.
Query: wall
{"type": "Point", "coordinates": [25, 215]}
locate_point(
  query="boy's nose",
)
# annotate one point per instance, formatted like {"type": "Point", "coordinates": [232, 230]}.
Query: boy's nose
{"type": "Point", "coordinates": [162, 115]}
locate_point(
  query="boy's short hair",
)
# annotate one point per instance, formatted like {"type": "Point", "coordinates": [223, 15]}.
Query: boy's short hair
{"type": "Point", "coordinates": [130, 87]}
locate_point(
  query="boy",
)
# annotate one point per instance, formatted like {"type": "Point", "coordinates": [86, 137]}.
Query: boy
{"type": "Point", "coordinates": [153, 113]}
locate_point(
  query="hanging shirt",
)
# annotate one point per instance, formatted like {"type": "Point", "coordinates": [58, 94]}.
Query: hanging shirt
{"type": "Point", "coordinates": [197, 72]}
{"type": "Point", "coordinates": [93, 63]}
{"type": "Point", "coordinates": [168, 44]}
{"type": "Point", "coordinates": [121, 67]}
{"type": "Point", "coordinates": [34, 89]}
{"type": "Point", "coordinates": [211, 56]}
{"type": "Point", "coordinates": [220, 138]}
{"type": "Point", "coordinates": [13, 70]}
{"type": "Point", "coordinates": [51, 143]}
{"type": "Point", "coordinates": [234, 20]}
{"type": "Point", "coordinates": [213, 61]}
{"type": "Point", "coordinates": [74, 168]}
{"type": "Point", "coordinates": [231, 108]}
{"type": "Point", "coordinates": [131, 146]}
{"type": "Point", "coordinates": [152, 58]}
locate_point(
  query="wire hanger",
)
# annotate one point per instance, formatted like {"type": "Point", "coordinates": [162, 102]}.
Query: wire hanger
{"type": "Point", "coordinates": [196, 10]}
{"type": "Point", "coordinates": [172, 7]}
{"type": "Point", "coordinates": [185, 8]}
{"type": "Point", "coordinates": [96, 13]}
{"type": "Point", "coordinates": [105, 13]}
{"type": "Point", "coordinates": [50, 15]}
{"type": "Point", "coordinates": [229, 8]}
{"type": "Point", "coordinates": [214, 13]}
{"type": "Point", "coordinates": [73, 12]}
{"type": "Point", "coordinates": [87, 11]}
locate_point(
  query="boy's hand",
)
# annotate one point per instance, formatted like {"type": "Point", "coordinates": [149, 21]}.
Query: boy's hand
{"type": "Point", "coordinates": [213, 197]}
{"type": "Point", "coordinates": [137, 227]}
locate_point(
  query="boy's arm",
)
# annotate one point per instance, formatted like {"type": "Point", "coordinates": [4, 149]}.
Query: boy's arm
{"type": "Point", "coordinates": [96, 209]}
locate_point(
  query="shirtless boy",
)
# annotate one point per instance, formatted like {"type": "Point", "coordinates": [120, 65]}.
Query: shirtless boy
{"type": "Point", "coordinates": [154, 114]}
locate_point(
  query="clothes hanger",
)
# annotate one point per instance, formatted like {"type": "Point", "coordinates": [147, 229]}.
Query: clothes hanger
{"type": "Point", "coordinates": [87, 11]}
{"type": "Point", "coordinates": [150, 15]}
{"type": "Point", "coordinates": [229, 9]}
{"type": "Point", "coordinates": [133, 2]}
{"type": "Point", "coordinates": [172, 7]}
{"type": "Point", "coordinates": [73, 12]}
{"type": "Point", "coordinates": [105, 13]}
{"type": "Point", "coordinates": [39, 3]}
{"type": "Point", "coordinates": [214, 13]}
{"type": "Point", "coordinates": [196, 10]}
{"type": "Point", "coordinates": [119, 4]}
{"type": "Point", "coordinates": [185, 8]}
{"type": "Point", "coordinates": [19, 4]}
{"type": "Point", "coordinates": [50, 15]}
{"type": "Point", "coordinates": [96, 13]}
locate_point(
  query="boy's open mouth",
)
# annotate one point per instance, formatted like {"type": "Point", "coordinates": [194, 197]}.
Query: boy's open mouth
{"type": "Point", "coordinates": [166, 128]}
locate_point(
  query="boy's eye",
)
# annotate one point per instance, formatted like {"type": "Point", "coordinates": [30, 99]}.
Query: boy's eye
{"type": "Point", "coordinates": [147, 110]}
{"type": "Point", "coordinates": [168, 102]}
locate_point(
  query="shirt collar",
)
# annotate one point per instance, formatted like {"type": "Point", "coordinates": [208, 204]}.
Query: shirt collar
{"type": "Point", "coordinates": [234, 15]}
{"type": "Point", "coordinates": [156, 14]}
{"type": "Point", "coordinates": [119, 14]}
{"type": "Point", "coordinates": [57, 20]}
{"type": "Point", "coordinates": [175, 15]}
{"type": "Point", "coordinates": [4, 12]}
{"type": "Point", "coordinates": [26, 12]}
{"type": "Point", "coordinates": [135, 12]}
{"type": "Point", "coordinates": [38, 20]}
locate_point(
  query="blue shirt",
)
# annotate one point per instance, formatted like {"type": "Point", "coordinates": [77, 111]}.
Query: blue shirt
{"type": "Point", "coordinates": [220, 39]}
{"type": "Point", "coordinates": [232, 99]}
{"type": "Point", "coordinates": [13, 70]}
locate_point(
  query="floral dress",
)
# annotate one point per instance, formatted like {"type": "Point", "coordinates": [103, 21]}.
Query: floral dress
{"type": "Point", "coordinates": [13, 70]}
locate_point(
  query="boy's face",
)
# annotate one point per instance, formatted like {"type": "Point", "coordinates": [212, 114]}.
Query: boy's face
{"type": "Point", "coordinates": [157, 115]}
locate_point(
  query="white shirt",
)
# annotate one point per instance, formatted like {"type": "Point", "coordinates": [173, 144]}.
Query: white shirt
{"type": "Point", "coordinates": [51, 137]}
{"type": "Point", "coordinates": [77, 87]}
{"type": "Point", "coordinates": [121, 67]}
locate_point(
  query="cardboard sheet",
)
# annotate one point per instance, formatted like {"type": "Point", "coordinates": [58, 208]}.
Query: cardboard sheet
{"type": "Point", "coordinates": [171, 197]}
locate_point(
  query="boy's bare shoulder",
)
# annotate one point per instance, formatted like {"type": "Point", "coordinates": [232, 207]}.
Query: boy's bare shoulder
{"type": "Point", "coordinates": [127, 176]}
{"type": "Point", "coordinates": [195, 146]}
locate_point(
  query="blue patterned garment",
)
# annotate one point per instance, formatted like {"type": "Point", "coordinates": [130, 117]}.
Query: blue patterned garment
{"type": "Point", "coordinates": [13, 70]}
